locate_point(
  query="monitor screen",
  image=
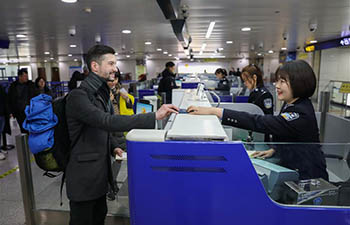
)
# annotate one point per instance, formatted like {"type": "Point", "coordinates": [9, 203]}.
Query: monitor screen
{"type": "Point", "coordinates": [143, 108]}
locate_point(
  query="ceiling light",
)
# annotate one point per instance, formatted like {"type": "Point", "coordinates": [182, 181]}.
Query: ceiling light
{"type": "Point", "coordinates": [246, 29]}
{"type": "Point", "coordinates": [210, 29]}
{"type": "Point", "coordinates": [116, 53]}
{"type": "Point", "coordinates": [187, 51]}
{"type": "Point", "coordinates": [21, 36]}
{"type": "Point", "coordinates": [177, 58]}
{"type": "Point", "coordinates": [148, 43]}
{"type": "Point", "coordinates": [52, 58]}
{"type": "Point", "coordinates": [270, 51]}
{"type": "Point", "coordinates": [128, 56]}
{"type": "Point", "coordinates": [170, 55]}
{"type": "Point", "coordinates": [70, 55]}
{"type": "Point", "coordinates": [159, 49]}
{"type": "Point", "coordinates": [313, 41]}
{"type": "Point", "coordinates": [259, 54]}
{"type": "Point", "coordinates": [165, 53]}
{"type": "Point", "coordinates": [284, 48]}
{"type": "Point", "coordinates": [45, 60]}
{"type": "Point", "coordinates": [73, 46]}
{"type": "Point", "coordinates": [47, 53]}
{"type": "Point", "coordinates": [126, 31]}
{"type": "Point", "coordinates": [229, 42]}
{"type": "Point", "coordinates": [28, 56]}
{"type": "Point", "coordinates": [69, 1]}
{"type": "Point", "coordinates": [220, 49]}
{"type": "Point", "coordinates": [75, 60]}
{"type": "Point", "coordinates": [203, 46]}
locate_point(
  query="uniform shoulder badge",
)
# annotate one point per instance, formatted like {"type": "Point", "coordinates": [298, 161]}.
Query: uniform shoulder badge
{"type": "Point", "coordinates": [268, 103]}
{"type": "Point", "coordinates": [290, 116]}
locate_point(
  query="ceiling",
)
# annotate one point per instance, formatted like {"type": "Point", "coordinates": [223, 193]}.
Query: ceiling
{"type": "Point", "coordinates": [46, 24]}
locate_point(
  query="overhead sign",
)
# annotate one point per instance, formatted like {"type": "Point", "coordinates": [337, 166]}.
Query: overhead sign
{"type": "Point", "coordinates": [345, 41]}
{"type": "Point", "coordinates": [345, 88]}
{"type": "Point", "coordinates": [339, 42]}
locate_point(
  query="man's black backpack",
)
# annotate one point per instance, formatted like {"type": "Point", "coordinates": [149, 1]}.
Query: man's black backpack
{"type": "Point", "coordinates": [56, 158]}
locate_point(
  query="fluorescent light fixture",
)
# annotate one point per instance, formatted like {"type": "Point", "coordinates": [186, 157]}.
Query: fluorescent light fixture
{"type": "Point", "coordinates": [75, 60]}
{"type": "Point", "coordinates": [204, 45]}
{"type": "Point", "coordinates": [270, 51]}
{"type": "Point", "coordinates": [47, 53]}
{"type": "Point", "coordinates": [210, 29]}
{"type": "Point", "coordinates": [52, 58]}
{"type": "Point", "coordinates": [28, 56]}
{"type": "Point", "coordinates": [128, 56]}
{"type": "Point", "coordinates": [116, 53]}
{"type": "Point", "coordinates": [170, 55]}
{"type": "Point", "coordinates": [259, 54]}
{"type": "Point", "coordinates": [165, 53]}
{"type": "Point", "coordinates": [159, 49]}
{"type": "Point", "coordinates": [70, 55]}
{"type": "Point", "coordinates": [177, 58]}
{"type": "Point", "coordinates": [201, 53]}
{"type": "Point", "coordinates": [45, 60]}
{"type": "Point", "coordinates": [187, 51]}
{"type": "Point", "coordinates": [148, 43]}
{"type": "Point", "coordinates": [284, 48]}
{"type": "Point", "coordinates": [220, 49]}
{"type": "Point", "coordinates": [313, 41]}
{"type": "Point", "coordinates": [126, 31]}
{"type": "Point", "coordinates": [246, 29]}
{"type": "Point", "coordinates": [69, 1]}
{"type": "Point", "coordinates": [21, 36]}
{"type": "Point", "coordinates": [204, 56]}
{"type": "Point", "coordinates": [73, 46]}
{"type": "Point", "coordinates": [229, 42]}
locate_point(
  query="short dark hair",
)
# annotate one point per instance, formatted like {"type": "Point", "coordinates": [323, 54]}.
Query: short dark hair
{"type": "Point", "coordinates": [252, 69]}
{"type": "Point", "coordinates": [222, 71]}
{"type": "Point", "coordinates": [301, 77]}
{"type": "Point", "coordinates": [96, 54]}
{"type": "Point", "coordinates": [37, 81]}
{"type": "Point", "coordinates": [22, 71]}
{"type": "Point", "coordinates": [169, 64]}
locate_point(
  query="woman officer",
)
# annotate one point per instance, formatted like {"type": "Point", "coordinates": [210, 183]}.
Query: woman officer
{"type": "Point", "coordinates": [296, 83]}
{"type": "Point", "coordinates": [224, 85]}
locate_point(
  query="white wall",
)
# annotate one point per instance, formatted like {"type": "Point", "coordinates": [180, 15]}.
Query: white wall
{"type": "Point", "coordinates": [128, 66]}
{"type": "Point", "coordinates": [64, 70]}
{"type": "Point", "coordinates": [335, 65]}
{"type": "Point", "coordinates": [154, 67]}
{"type": "Point", "coordinates": [271, 63]}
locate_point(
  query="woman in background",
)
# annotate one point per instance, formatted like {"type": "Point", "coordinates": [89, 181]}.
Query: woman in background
{"type": "Point", "coordinates": [41, 87]}
{"type": "Point", "coordinates": [224, 85]}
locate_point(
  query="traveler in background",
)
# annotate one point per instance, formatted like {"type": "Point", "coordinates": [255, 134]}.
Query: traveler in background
{"type": "Point", "coordinates": [20, 93]}
{"type": "Point", "coordinates": [167, 83]}
{"type": "Point", "coordinates": [224, 84]}
{"type": "Point", "coordinates": [91, 120]}
{"type": "Point", "coordinates": [296, 123]}
{"type": "Point", "coordinates": [232, 72]}
{"type": "Point", "coordinates": [76, 80]}
{"type": "Point", "coordinates": [41, 87]}
{"type": "Point", "coordinates": [3, 113]}
{"type": "Point", "coordinates": [238, 73]}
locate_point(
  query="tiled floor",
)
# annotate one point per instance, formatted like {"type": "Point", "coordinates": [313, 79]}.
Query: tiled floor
{"type": "Point", "coordinates": [46, 191]}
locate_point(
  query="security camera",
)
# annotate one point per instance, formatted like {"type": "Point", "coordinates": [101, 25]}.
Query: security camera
{"type": "Point", "coordinates": [313, 27]}
{"type": "Point", "coordinates": [72, 31]}
{"type": "Point", "coordinates": [97, 38]}
{"type": "Point", "coordinates": [285, 36]}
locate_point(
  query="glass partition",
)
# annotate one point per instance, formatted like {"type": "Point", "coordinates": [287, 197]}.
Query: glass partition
{"type": "Point", "coordinates": [305, 174]}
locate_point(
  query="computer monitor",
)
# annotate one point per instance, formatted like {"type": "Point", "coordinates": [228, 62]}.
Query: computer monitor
{"type": "Point", "coordinates": [143, 108]}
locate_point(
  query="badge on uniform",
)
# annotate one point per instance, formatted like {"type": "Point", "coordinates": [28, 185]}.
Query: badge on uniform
{"type": "Point", "coordinates": [268, 103]}
{"type": "Point", "coordinates": [290, 116]}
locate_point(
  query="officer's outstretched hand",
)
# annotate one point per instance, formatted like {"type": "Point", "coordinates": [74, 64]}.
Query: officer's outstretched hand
{"type": "Point", "coordinates": [263, 154]}
{"type": "Point", "coordinates": [197, 110]}
{"type": "Point", "coordinates": [165, 111]}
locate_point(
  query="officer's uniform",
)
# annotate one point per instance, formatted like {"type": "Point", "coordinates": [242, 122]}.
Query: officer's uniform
{"type": "Point", "coordinates": [295, 123]}
{"type": "Point", "coordinates": [261, 97]}
{"type": "Point", "coordinates": [224, 86]}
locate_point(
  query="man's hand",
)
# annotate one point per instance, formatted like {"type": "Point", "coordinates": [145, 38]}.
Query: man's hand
{"type": "Point", "coordinates": [165, 111]}
{"type": "Point", "coordinates": [263, 154]}
{"type": "Point", "coordinates": [118, 151]}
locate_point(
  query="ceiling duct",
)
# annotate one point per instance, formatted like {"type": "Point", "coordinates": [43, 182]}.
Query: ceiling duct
{"type": "Point", "coordinates": [170, 8]}
{"type": "Point", "coordinates": [181, 32]}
